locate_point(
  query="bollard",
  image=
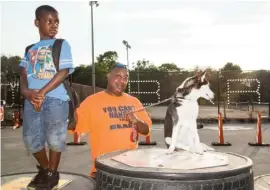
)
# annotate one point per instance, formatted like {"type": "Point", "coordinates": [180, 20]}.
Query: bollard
{"type": "Point", "coordinates": [221, 136]}
{"type": "Point", "coordinates": [259, 133]}
{"type": "Point", "coordinates": [15, 120]}
{"type": "Point", "coordinates": [148, 140]}
{"type": "Point", "coordinates": [76, 140]}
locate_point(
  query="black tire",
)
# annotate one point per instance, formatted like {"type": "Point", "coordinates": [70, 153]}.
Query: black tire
{"type": "Point", "coordinates": [118, 176]}
{"type": "Point", "coordinates": [108, 181]}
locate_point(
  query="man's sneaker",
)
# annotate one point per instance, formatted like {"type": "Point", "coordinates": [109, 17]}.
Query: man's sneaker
{"type": "Point", "coordinates": [37, 178]}
{"type": "Point", "coordinates": [50, 181]}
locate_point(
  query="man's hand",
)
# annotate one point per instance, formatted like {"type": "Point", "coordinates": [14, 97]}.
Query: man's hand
{"type": "Point", "coordinates": [131, 118]}
{"type": "Point", "coordinates": [141, 126]}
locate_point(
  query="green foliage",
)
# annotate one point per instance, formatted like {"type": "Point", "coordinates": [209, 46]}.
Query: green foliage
{"type": "Point", "coordinates": [10, 65]}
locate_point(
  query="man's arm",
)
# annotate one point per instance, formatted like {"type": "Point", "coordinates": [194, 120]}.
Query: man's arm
{"type": "Point", "coordinates": [142, 126]}
{"type": "Point", "coordinates": [141, 118]}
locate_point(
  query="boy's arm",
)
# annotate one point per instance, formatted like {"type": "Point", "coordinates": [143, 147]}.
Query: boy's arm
{"type": "Point", "coordinates": [65, 68]}
{"type": "Point", "coordinates": [31, 95]}
{"type": "Point", "coordinates": [23, 81]}
{"type": "Point", "coordinates": [55, 82]}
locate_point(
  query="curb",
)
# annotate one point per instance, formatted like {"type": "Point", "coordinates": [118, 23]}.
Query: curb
{"type": "Point", "coordinates": [215, 120]}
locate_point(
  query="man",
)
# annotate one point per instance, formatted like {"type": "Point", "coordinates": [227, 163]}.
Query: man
{"type": "Point", "coordinates": [108, 117]}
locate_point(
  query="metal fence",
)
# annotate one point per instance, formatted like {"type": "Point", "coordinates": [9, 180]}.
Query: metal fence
{"type": "Point", "coordinates": [237, 94]}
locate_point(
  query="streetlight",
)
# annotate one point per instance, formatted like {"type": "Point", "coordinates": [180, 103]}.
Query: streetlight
{"type": "Point", "coordinates": [91, 3]}
{"type": "Point", "coordinates": [127, 47]}
{"type": "Point", "coordinates": [138, 74]}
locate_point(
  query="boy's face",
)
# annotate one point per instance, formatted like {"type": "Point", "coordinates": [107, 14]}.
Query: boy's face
{"type": "Point", "coordinates": [48, 24]}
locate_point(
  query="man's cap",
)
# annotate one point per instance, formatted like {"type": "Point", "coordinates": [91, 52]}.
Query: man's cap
{"type": "Point", "coordinates": [118, 65]}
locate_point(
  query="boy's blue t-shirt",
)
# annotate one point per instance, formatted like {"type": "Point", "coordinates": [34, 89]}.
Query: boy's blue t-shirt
{"type": "Point", "coordinates": [40, 67]}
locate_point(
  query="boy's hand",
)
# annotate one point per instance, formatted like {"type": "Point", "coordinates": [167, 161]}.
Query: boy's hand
{"type": "Point", "coordinates": [34, 97]}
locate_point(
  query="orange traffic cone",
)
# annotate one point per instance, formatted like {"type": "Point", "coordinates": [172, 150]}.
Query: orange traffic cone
{"type": "Point", "coordinates": [221, 137]}
{"type": "Point", "coordinates": [76, 140]}
{"type": "Point", "coordinates": [2, 113]}
{"type": "Point", "coordinates": [15, 119]}
{"type": "Point", "coordinates": [259, 133]}
{"type": "Point", "coordinates": [148, 139]}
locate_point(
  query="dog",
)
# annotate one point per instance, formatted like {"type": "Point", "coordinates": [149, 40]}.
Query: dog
{"type": "Point", "coordinates": [180, 125]}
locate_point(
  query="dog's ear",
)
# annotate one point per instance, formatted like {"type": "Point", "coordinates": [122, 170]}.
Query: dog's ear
{"type": "Point", "coordinates": [202, 75]}
{"type": "Point", "coordinates": [198, 74]}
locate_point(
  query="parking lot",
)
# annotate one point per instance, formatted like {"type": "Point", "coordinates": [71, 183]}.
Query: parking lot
{"type": "Point", "coordinates": [14, 157]}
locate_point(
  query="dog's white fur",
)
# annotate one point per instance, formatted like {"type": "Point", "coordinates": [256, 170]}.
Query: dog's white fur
{"type": "Point", "coordinates": [185, 133]}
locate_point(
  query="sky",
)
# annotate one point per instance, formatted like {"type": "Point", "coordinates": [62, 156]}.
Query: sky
{"type": "Point", "coordinates": [187, 33]}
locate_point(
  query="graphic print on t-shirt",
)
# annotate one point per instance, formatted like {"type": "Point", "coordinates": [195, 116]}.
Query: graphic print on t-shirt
{"type": "Point", "coordinates": [118, 112]}
{"type": "Point", "coordinates": [41, 63]}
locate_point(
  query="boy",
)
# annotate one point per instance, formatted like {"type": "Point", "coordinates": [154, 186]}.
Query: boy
{"type": "Point", "coordinates": [46, 100]}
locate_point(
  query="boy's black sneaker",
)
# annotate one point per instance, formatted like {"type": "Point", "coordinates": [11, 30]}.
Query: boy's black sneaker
{"type": "Point", "coordinates": [50, 181]}
{"type": "Point", "coordinates": [37, 179]}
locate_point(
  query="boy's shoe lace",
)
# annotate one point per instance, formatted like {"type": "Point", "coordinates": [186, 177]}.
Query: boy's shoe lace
{"type": "Point", "coordinates": [50, 181]}
{"type": "Point", "coordinates": [37, 179]}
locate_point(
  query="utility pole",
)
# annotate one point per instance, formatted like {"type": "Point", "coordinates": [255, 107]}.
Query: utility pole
{"type": "Point", "coordinates": [92, 3]}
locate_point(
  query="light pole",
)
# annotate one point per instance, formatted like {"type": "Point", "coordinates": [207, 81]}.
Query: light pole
{"type": "Point", "coordinates": [127, 47]}
{"type": "Point", "coordinates": [91, 3]}
{"type": "Point", "coordinates": [268, 100]}
{"type": "Point", "coordinates": [138, 74]}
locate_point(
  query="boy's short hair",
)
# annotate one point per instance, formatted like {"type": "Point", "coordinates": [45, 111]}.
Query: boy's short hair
{"type": "Point", "coordinates": [44, 8]}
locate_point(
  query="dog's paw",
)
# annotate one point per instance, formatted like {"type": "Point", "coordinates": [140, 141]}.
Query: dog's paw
{"type": "Point", "coordinates": [199, 150]}
{"type": "Point", "coordinates": [170, 151]}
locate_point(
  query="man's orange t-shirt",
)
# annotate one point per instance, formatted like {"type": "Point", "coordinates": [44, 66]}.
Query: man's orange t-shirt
{"type": "Point", "coordinates": [102, 116]}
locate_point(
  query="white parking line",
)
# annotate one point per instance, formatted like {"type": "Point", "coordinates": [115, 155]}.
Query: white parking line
{"type": "Point", "coordinates": [230, 128]}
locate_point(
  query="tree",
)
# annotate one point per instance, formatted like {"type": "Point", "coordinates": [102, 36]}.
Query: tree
{"type": "Point", "coordinates": [231, 67]}
{"type": "Point", "coordinates": [144, 65]}
{"type": "Point", "coordinates": [169, 67]}
{"type": "Point", "coordinates": [82, 75]}
{"type": "Point", "coordinates": [9, 74]}
{"type": "Point", "coordinates": [106, 60]}
{"type": "Point", "coordinates": [10, 65]}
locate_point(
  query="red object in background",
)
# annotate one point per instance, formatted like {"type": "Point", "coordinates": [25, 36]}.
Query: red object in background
{"type": "Point", "coordinates": [134, 136]}
{"type": "Point", "coordinates": [16, 121]}
{"type": "Point", "coordinates": [2, 111]}
{"type": "Point", "coordinates": [259, 138]}
{"type": "Point", "coordinates": [76, 140]}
